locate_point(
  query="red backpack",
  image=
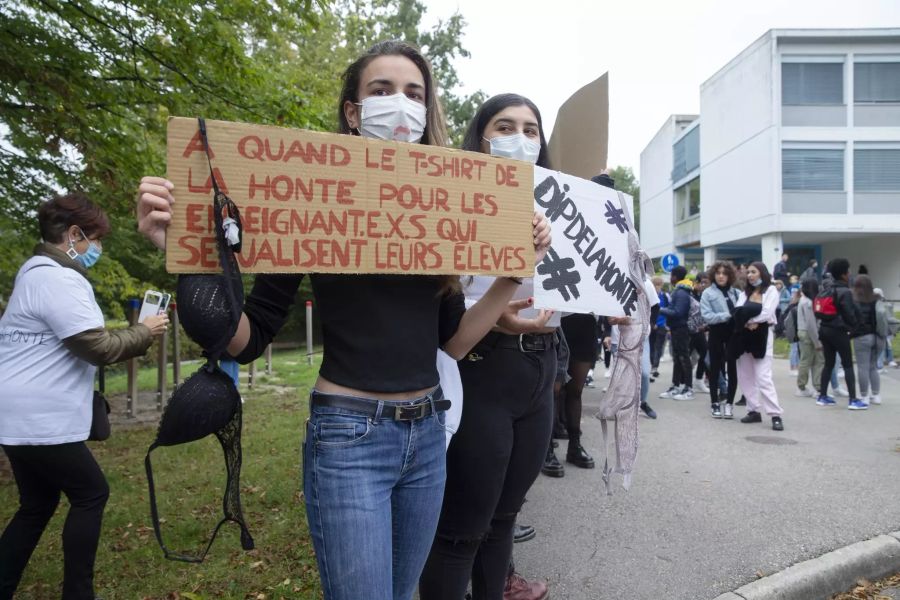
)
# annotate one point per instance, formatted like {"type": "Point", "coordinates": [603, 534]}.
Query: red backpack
{"type": "Point", "coordinates": [825, 305]}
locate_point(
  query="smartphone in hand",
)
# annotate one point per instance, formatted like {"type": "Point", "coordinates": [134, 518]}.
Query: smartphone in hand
{"type": "Point", "coordinates": [155, 303]}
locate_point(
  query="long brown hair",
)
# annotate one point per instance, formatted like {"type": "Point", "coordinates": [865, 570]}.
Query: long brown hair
{"type": "Point", "coordinates": [863, 292]}
{"type": "Point", "coordinates": [435, 126]}
{"type": "Point", "coordinates": [764, 275]}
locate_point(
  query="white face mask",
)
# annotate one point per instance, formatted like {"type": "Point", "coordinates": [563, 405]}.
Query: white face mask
{"type": "Point", "coordinates": [394, 117]}
{"type": "Point", "coordinates": [516, 146]}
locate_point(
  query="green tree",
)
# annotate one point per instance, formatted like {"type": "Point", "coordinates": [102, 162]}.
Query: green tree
{"type": "Point", "coordinates": [626, 182]}
{"type": "Point", "coordinates": [86, 87]}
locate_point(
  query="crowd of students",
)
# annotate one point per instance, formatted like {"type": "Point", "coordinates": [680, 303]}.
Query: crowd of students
{"type": "Point", "coordinates": [725, 321]}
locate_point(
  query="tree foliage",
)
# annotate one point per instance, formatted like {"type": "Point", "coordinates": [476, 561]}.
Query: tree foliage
{"type": "Point", "coordinates": [626, 182]}
{"type": "Point", "coordinates": [86, 87]}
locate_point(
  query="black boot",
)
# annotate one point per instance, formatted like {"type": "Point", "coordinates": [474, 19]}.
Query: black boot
{"type": "Point", "coordinates": [552, 467]}
{"type": "Point", "coordinates": [577, 454]}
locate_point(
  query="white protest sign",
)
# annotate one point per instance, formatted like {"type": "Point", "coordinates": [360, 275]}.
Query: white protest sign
{"type": "Point", "coordinates": [586, 268]}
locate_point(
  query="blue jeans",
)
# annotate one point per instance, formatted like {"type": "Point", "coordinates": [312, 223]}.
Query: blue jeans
{"type": "Point", "coordinates": [373, 489]}
{"type": "Point", "coordinates": [795, 355]}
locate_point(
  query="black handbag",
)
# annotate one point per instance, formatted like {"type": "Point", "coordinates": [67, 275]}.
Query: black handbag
{"type": "Point", "coordinates": [100, 429]}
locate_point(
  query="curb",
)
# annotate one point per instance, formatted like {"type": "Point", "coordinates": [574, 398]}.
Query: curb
{"type": "Point", "coordinates": [832, 573]}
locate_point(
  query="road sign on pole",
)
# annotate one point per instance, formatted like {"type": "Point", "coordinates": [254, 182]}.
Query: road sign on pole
{"type": "Point", "coordinates": [669, 262]}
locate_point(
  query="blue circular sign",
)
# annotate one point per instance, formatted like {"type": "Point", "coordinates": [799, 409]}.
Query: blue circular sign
{"type": "Point", "coordinates": [669, 262]}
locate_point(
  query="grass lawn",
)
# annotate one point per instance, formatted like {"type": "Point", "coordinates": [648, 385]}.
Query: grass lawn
{"type": "Point", "coordinates": [190, 480]}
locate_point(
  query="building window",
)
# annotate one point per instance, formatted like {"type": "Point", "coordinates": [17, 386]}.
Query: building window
{"type": "Point", "coordinates": [812, 169]}
{"type": "Point", "coordinates": [875, 82]}
{"type": "Point", "coordinates": [687, 201]}
{"type": "Point", "coordinates": [876, 170]}
{"type": "Point", "coordinates": [816, 83]}
{"type": "Point", "coordinates": [686, 154]}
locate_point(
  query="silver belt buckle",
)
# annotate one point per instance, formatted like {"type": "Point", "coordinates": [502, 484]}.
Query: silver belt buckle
{"type": "Point", "coordinates": [411, 413]}
{"type": "Point", "coordinates": [522, 348]}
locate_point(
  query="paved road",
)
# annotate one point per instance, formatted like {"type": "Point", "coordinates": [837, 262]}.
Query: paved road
{"type": "Point", "coordinates": [709, 508]}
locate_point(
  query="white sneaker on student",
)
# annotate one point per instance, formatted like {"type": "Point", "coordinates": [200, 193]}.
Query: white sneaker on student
{"type": "Point", "coordinates": [608, 374]}
{"type": "Point", "coordinates": [700, 386]}
{"type": "Point", "coordinates": [794, 372]}
{"type": "Point", "coordinates": [687, 394]}
{"type": "Point", "coordinates": [805, 393]}
{"type": "Point", "coordinates": [839, 391]}
{"type": "Point", "coordinates": [875, 399]}
{"type": "Point", "coordinates": [893, 363]}
{"type": "Point", "coordinates": [671, 392]}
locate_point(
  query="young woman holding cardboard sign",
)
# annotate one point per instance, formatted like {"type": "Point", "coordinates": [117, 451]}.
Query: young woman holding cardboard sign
{"type": "Point", "coordinates": [498, 450]}
{"type": "Point", "coordinates": [374, 453]}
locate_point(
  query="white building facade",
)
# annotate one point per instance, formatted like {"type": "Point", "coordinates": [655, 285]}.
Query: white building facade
{"type": "Point", "coordinates": [796, 149]}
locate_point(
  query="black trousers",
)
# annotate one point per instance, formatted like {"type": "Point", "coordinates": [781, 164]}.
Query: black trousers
{"type": "Point", "coordinates": [42, 473]}
{"type": "Point", "coordinates": [681, 356]}
{"type": "Point", "coordinates": [836, 341]}
{"type": "Point", "coordinates": [657, 344]}
{"type": "Point", "coordinates": [719, 335]}
{"type": "Point", "coordinates": [492, 461]}
{"type": "Point", "coordinates": [698, 343]}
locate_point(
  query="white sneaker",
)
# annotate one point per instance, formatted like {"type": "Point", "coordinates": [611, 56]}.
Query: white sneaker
{"type": "Point", "coordinates": [875, 399]}
{"type": "Point", "coordinates": [728, 412]}
{"type": "Point", "coordinates": [893, 363]}
{"type": "Point", "coordinates": [700, 386]}
{"type": "Point", "coordinates": [794, 372]}
{"type": "Point", "coordinates": [608, 373]}
{"type": "Point", "coordinates": [805, 393]}
{"type": "Point", "coordinates": [671, 392]}
{"type": "Point", "coordinates": [839, 391]}
{"type": "Point", "coordinates": [687, 394]}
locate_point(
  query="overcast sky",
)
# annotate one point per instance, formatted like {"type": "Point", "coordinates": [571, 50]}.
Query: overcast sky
{"type": "Point", "coordinates": [657, 52]}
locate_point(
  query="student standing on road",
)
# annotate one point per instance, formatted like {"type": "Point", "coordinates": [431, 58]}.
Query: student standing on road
{"type": "Point", "coordinates": [374, 455]}
{"type": "Point", "coordinates": [658, 333]}
{"type": "Point", "coordinates": [834, 333]}
{"type": "Point", "coordinates": [717, 307]}
{"type": "Point", "coordinates": [676, 317]}
{"type": "Point", "coordinates": [698, 334]}
{"type": "Point", "coordinates": [755, 316]}
{"type": "Point", "coordinates": [508, 379]}
{"type": "Point", "coordinates": [812, 360]}
{"type": "Point", "coordinates": [869, 338]}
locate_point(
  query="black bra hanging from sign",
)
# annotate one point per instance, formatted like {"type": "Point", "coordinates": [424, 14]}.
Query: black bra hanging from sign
{"type": "Point", "coordinates": [208, 402]}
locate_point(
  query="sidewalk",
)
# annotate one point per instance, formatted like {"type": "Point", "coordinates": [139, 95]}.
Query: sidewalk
{"type": "Point", "coordinates": [715, 504]}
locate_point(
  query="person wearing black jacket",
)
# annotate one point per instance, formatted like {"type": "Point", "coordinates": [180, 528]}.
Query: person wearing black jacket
{"type": "Point", "coordinates": [676, 317]}
{"type": "Point", "coordinates": [834, 333]}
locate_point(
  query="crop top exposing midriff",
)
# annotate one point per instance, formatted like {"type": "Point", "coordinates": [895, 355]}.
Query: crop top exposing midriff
{"type": "Point", "coordinates": [380, 332]}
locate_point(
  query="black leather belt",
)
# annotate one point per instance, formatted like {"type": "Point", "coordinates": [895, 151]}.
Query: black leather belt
{"type": "Point", "coordinates": [389, 410]}
{"type": "Point", "coordinates": [524, 342]}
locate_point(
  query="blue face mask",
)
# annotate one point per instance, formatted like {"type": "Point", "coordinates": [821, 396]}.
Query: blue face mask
{"type": "Point", "coordinates": [756, 283]}
{"type": "Point", "coordinates": [89, 258]}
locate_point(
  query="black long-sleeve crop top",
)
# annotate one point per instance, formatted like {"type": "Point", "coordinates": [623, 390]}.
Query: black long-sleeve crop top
{"type": "Point", "coordinates": [380, 332]}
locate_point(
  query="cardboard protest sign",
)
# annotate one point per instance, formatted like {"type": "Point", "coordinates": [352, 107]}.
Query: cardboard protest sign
{"type": "Point", "coordinates": [328, 203]}
{"type": "Point", "coordinates": [578, 145]}
{"type": "Point", "coordinates": [586, 268]}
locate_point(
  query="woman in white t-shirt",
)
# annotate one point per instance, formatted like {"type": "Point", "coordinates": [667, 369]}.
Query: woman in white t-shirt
{"type": "Point", "coordinates": [51, 337]}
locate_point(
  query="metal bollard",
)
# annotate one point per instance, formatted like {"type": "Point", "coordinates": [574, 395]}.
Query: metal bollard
{"type": "Point", "coordinates": [161, 370]}
{"type": "Point", "coordinates": [309, 331]}
{"type": "Point", "coordinates": [134, 307]}
{"type": "Point", "coordinates": [176, 347]}
{"type": "Point", "coordinates": [251, 374]}
{"type": "Point", "coordinates": [269, 359]}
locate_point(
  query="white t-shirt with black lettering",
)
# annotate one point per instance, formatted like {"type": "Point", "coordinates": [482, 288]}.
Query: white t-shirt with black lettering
{"type": "Point", "coordinates": [45, 391]}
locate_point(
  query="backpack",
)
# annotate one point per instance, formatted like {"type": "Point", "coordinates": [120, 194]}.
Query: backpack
{"type": "Point", "coordinates": [790, 324]}
{"type": "Point", "coordinates": [825, 305]}
{"type": "Point", "coordinates": [695, 320]}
